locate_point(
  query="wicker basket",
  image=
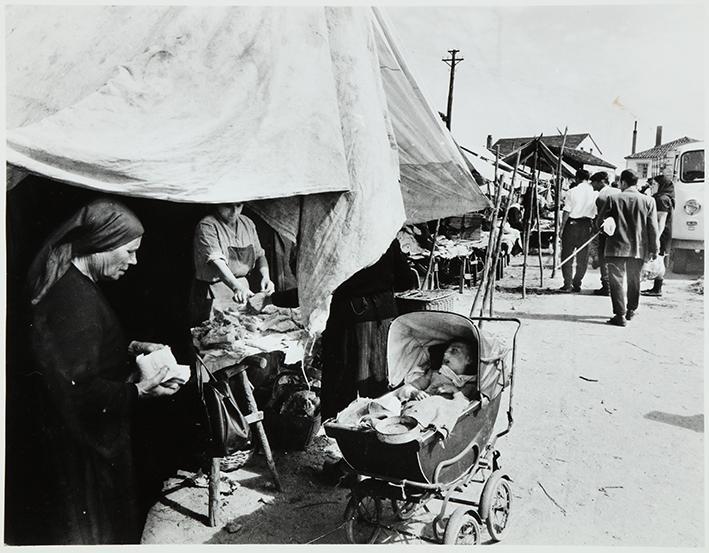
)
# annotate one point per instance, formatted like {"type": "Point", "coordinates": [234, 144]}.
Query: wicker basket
{"type": "Point", "coordinates": [425, 300]}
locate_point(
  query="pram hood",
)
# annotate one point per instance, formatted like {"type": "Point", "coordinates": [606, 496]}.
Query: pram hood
{"type": "Point", "coordinates": [411, 335]}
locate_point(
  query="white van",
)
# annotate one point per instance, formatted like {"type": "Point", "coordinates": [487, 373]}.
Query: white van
{"type": "Point", "coordinates": [688, 216]}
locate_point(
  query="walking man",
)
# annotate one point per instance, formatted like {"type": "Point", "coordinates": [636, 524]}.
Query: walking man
{"type": "Point", "coordinates": [635, 240]}
{"type": "Point", "coordinates": [599, 182]}
{"type": "Point", "coordinates": [576, 229]}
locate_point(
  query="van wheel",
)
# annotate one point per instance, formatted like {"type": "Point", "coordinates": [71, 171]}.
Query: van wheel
{"type": "Point", "coordinates": [679, 261]}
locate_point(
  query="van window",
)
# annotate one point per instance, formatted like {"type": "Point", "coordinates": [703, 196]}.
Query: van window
{"type": "Point", "coordinates": [691, 168]}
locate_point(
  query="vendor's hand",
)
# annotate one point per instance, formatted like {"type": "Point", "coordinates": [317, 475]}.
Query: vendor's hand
{"type": "Point", "coordinates": [241, 294]}
{"type": "Point", "coordinates": [152, 387]}
{"type": "Point", "coordinates": [417, 394]}
{"type": "Point", "coordinates": [267, 285]}
{"type": "Point", "coordinates": [136, 348]}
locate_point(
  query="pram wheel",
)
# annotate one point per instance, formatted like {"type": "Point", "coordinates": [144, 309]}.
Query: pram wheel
{"type": "Point", "coordinates": [404, 510]}
{"type": "Point", "coordinates": [362, 516]}
{"type": "Point", "coordinates": [462, 528]}
{"type": "Point", "coordinates": [495, 503]}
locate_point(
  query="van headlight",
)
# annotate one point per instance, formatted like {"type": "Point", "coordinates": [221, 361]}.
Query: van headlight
{"type": "Point", "coordinates": [692, 207]}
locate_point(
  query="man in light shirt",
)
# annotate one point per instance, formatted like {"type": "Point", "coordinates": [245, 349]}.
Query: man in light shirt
{"type": "Point", "coordinates": [599, 182]}
{"type": "Point", "coordinates": [576, 229]}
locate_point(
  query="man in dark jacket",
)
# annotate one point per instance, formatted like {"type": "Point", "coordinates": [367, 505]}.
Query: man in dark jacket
{"type": "Point", "coordinates": [635, 240]}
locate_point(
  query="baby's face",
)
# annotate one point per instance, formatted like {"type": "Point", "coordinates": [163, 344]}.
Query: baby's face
{"type": "Point", "coordinates": [457, 357]}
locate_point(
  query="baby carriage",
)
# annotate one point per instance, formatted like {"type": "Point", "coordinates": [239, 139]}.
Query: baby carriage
{"type": "Point", "coordinates": [421, 465]}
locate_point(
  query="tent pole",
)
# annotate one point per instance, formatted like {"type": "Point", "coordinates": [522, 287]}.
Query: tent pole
{"type": "Point", "coordinates": [424, 282]}
{"type": "Point", "coordinates": [498, 243]}
{"type": "Point", "coordinates": [528, 222]}
{"type": "Point", "coordinates": [539, 228]}
{"type": "Point", "coordinates": [479, 294]}
{"type": "Point", "coordinates": [557, 203]}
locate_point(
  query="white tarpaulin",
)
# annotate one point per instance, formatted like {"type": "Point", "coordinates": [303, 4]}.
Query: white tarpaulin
{"type": "Point", "coordinates": [207, 101]}
{"type": "Point", "coordinates": [286, 108]}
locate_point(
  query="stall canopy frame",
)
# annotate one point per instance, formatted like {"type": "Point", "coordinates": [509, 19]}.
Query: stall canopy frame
{"type": "Point", "coordinates": [214, 105]}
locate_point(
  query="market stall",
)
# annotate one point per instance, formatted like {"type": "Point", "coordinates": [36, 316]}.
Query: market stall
{"type": "Point", "coordinates": [152, 104]}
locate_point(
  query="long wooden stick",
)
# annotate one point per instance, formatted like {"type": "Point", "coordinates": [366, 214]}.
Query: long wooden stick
{"type": "Point", "coordinates": [479, 294]}
{"type": "Point", "coordinates": [498, 243]}
{"type": "Point", "coordinates": [557, 203]}
{"type": "Point", "coordinates": [539, 232]}
{"type": "Point", "coordinates": [214, 477]}
{"type": "Point", "coordinates": [430, 259]}
{"type": "Point", "coordinates": [528, 223]}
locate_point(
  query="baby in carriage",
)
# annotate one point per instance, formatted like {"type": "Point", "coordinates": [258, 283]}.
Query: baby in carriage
{"type": "Point", "coordinates": [455, 378]}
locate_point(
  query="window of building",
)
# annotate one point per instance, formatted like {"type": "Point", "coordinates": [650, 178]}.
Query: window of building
{"type": "Point", "coordinates": [642, 170]}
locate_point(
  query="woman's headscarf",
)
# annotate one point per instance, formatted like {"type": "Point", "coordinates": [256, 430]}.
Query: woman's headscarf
{"type": "Point", "coordinates": [665, 187]}
{"type": "Point", "coordinates": [102, 225]}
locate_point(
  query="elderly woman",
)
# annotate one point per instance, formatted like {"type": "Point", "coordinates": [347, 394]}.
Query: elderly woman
{"type": "Point", "coordinates": [88, 385]}
{"type": "Point", "coordinates": [227, 250]}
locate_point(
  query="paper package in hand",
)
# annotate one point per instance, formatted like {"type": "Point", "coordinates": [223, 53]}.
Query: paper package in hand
{"type": "Point", "coordinates": [150, 364]}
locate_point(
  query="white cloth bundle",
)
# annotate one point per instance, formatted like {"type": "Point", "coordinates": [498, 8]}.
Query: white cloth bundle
{"type": "Point", "coordinates": [150, 364]}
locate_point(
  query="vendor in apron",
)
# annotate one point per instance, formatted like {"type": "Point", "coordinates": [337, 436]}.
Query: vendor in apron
{"type": "Point", "coordinates": [227, 250]}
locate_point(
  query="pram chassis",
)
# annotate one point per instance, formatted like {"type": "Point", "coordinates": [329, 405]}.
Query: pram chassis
{"type": "Point", "coordinates": [406, 493]}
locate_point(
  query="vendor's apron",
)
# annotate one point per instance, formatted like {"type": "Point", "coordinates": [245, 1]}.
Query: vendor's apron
{"type": "Point", "coordinates": [241, 262]}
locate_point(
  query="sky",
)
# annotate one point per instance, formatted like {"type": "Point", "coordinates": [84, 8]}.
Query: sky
{"type": "Point", "coordinates": [538, 69]}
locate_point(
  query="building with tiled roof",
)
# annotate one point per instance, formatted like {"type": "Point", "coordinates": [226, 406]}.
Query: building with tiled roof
{"type": "Point", "coordinates": [573, 141]}
{"type": "Point", "coordinates": [578, 150]}
{"type": "Point", "coordinates": [652, 162]}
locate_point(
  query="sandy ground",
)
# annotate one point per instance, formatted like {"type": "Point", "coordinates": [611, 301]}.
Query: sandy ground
{"type": "Point", "coordinates": [613, 458]}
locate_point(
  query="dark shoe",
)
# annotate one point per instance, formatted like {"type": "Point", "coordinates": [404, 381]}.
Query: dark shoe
{"type": "Point", "coordinates": [577, 289]}
{"type": "Point", "coordinates": [617, 320]}
{"type": "Point", "coordinates": [629, 314]}
{"type": "Point", "coordinates": [565, 289]}
{"type": "Point", "coordinates": [602, 291]}
{"type": "Point", "coordinates": [652, 293]}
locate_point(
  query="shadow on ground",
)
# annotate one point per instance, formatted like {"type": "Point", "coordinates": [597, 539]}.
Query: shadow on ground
{"type": "Point", "coordinates": [588, 319]}
{"type": "Point", "coordinates": [693, 422]}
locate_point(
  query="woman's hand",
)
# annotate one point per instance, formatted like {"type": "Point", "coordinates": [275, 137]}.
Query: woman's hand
{"type": "Point", "coordinates": [417, 394]}
{"type": "Point", "coordinates": [241, 293]}
{"type": "Point", "coordinates": [152, 387]}
{"type": "Point", "coordinates": [267, 285]}
{"type": "Point", "coordinates": [136, 348]}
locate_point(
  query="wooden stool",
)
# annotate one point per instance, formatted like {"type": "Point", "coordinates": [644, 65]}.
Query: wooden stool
{"type": "Point", "coordinates": [254, 417]}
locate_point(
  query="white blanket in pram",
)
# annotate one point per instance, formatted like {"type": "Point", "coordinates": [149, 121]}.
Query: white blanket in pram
{"type": "Point", "coordinates": [437, 412]}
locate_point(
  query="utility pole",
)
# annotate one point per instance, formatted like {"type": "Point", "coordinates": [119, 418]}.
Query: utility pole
{"type": "Point", "coordinates": [452, 61]}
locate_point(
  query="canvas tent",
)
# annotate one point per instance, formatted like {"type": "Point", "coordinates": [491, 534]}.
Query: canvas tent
{"type": "Point", "coordinates": [480, 160]}
{"type": "Point", "coordinates": [309, 114]}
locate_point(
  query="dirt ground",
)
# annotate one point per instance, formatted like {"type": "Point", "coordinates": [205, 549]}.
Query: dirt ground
{"type": "Point", "coordinates": [607, 447]}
